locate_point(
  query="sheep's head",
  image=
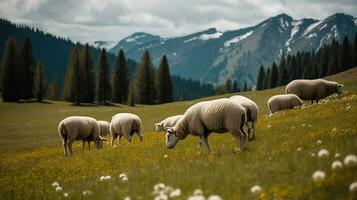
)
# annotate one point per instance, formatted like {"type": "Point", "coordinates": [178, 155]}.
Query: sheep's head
{"type": "Point", "coordinates": [339, 88]}
{"type": "Point", "coordinates": [171, 138]}
{"type": "Point", "coordinates": [99, 142]}
{"type": "Point", "coordinates": [159, 127]}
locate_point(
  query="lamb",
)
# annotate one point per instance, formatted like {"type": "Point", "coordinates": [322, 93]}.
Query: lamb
{"type": "Point", "coordinates": [313, 89]}
{"type": "Point", "coordinates": [220, 116]}
{"type": "Point", "coordinates": [283, 102]}
{"type": "Point", "coordinates": [79, 128]}
{"type": "Point", "coordinates": [168, 122]}
{"type": "Point", "coordinates": [125, 124]}
{"type": "Point", "coordinates": [252, 113]}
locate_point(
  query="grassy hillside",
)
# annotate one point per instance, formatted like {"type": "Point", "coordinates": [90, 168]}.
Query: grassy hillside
{"type": "Point", "coordinates": [32, 155]}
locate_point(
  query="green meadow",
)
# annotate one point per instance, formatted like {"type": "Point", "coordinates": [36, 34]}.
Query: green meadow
{"type": "Point", "coordinates": [280, 160]}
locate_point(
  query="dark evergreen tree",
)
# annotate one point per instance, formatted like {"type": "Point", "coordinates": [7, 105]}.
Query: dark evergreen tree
{"type": "Point", "coordinates": [283, 73]}
{"type": "Point", "coordinates": [266, 82]}
{"type": "Point", "coordinates": [11, 79]}
{"type": "Point", "coordinates": [87, 75]}
{"type": "Point", "coordinates": [52, 91]}
{"type": "Point", "coordinates": [131, 95]}
{"type": "Point", "coordinates": [72, 88]}
{"type": "Point", "coordinates": [334, 58]}
{"type": "Point", "coordinates": [103, 83]}
{"type": "Point", "coordinates": [120, 81]}
{"type": "Point", "coordinates": [144, 81]}
{"type": "Point", "coordinates": [229, 86]}
{"type": "Point", "coordinates": [164, 83]}
{"type": "Point", "coordinates": [28, 69]}
{"type": "Point", "coordinates": [293, 69]}
{"type": "Point", "coordinates": [39, 86]}
{"type": "Point", "coordinates": [235, 86]}
{"type": "Point", "coordinates": [261, 78]}
{"type": "Point", "coordinates": [274, 76]}
{"type": "Point", "coordinates": [245, 86]}
{"type": "Point", "coordinates": [355, 51]}
{"type": "Point", "coordinates": [346, 60]}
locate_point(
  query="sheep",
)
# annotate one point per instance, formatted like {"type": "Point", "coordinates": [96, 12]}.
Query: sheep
{"type": "Point", "coordinates": [313, 89]}
{"type": "Point", "coordinates": [104, 130]}
{"type": "Point", "coordinates": [283, 102]}
{"type": "Point", "coordinates": [168, 122]}
{"type": "Point", "coordinates": [252, 113]}
{"type": "Point", "coordinates": [125, 124]}
{"type": "Point", "coordinates": [220, 115]}
{"type": "Point", "coordinates": [79, 128]}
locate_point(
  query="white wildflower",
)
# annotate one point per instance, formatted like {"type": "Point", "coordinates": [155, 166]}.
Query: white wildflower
{"type": "Point", "coordinates": [102, 178]}
{"type": "Point", "coordinates": [256, 189]}
{"type": "Point", "coordinates": [214, 197]}
{"type": "Point", "coordinates": [175, 193]}
{"type": "Point", "coordinates": [318, 142]}
{"type": "Point", "coordinates": [55, 184]}
{"type": "Point", "coordinates": [196, 197]}
{"type": "Point", "coordinates": [336, 165]}
{"type": "Point", "coordinates": [59, 189]}
{"type": "Point", "coordinates": [86, 192]}
{"type": "Point", "coordinates": [323, 153]}
{"type": "Point", "coordinates": [65, 194]}
{"type": "Point", "coordinates": [127, 198]}
{"type": "Point", "coordinates": [197, 192]}
{"type": "Point", "coordinates": [353, 187]}
{"type": "Point", "coordinates": [350, 160]}
{"type": "Point", "coordinates": [337, 155]}
{"type": "Point", "coordinates": [165, 156]}
{"type": "Point", "coordinates": [122, 175]}
{"type": "Point", "coordinates": [318, 176]}
{"type": "Point", "coordinates": [108, 177]}
{"type": "Point", "coordinates": [125, 179]}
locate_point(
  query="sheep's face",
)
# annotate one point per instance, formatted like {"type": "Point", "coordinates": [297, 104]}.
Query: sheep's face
{"type": "Point", "coordinates": [171, 138]}
{"type": "Point", "coordinates": [99, 142]}
{"type": "Point", "coordinates": [339, 88]}
{"type": "Point", "coordinates": [158, 127]}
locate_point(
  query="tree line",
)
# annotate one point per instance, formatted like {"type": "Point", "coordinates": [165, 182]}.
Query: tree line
{"type": "Point", "coordinates": [23, 78]}
{"type": "Point", "coordinates": [330, 59]}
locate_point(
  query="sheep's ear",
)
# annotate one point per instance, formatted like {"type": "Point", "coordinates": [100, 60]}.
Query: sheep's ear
{"type": "Point", "coordinates": [102, 138]}
{"type": "Point", "coordinates": [340, 85]}
{"type": "Point", "coordinates": [169, 130]}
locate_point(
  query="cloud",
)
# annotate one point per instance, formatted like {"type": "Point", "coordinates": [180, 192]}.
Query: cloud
{"type": "Point", "coordinates": [89, 20]}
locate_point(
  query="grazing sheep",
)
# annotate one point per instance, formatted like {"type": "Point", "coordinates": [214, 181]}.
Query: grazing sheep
{"type": "Point", "coordinates": [168, 122]}
{"type": "Point", "coordinates": [252, 113]}
{"type": "Point", "coordinates": [104, 130]}
{"type": "Point", "coordinates": [79, 128]}
{"type": "Point", "coordinates": [125, 124]}
{"type": "Point", "coordinates": [313, 89]}
{"type": "Point", "coordinates": [202, 118]}
{"type": "Point", "coordinates": [283, 102]}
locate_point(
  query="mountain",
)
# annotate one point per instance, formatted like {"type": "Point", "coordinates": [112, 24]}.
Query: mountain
{"type": "Point", "coordinates": [214, 56]}
{"type": "Point", "coordinates": [104, 44]}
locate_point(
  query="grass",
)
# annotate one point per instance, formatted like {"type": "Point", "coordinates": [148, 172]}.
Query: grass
{"type": "Point", "coordinates": [32, 155]}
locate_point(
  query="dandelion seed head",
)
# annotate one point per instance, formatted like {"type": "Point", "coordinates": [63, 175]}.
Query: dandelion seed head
{"type": "Point", "coordinates": [323, 153]}
{"type": "Point", "coordinates": [59, 189]}
{"type": "Point", "coordinates": [256, 189]}
{"type": "Point", "coordinates": [350, 160]}
{"type": "Point", "coordinates": [336, 165]}
{"type": "Point", "coordinates": [353, 187]}
{"type": "Point", "coordinates": [318, 176]}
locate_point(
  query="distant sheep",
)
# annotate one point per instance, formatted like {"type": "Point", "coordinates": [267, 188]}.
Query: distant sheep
{"type": "Point", "coordinates": [202, 118]}
{"type": "Point", "coordinates": [125, 124]}
{"type": "Point", "coordinates": [252, 113]}
{"type": "Point", "coordinates": [79, 128]}
{"type": "Point", "coordinates": [104, 128]}
{"type": "Point", "coordinates": [313, 89]}
{"type": "Point", "coordinates": [168, 122]}
{"type": "Point", "coordinates": [283, 102]}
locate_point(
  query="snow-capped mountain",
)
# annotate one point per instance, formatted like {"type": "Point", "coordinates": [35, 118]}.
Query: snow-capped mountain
{"type": "Point", "coordinates": [214, 56]}
{"type": "Point", "coordinates": [104, 44]}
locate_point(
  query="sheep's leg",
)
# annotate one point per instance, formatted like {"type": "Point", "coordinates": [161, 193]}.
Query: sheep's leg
{"type": "Point", "coordinates": [112, 141]}
{"type": "Point", "coordinates": [119, 138]}
{"type": "Point", "coordinates": [253, 131]}
{"type": "Point", "coordinates": [206, 141]}
{"type": "Point", "coordinates": [65, 148]}
{"type": "Point", "coordinates": [69, 146]}
{"type": "Point", "coordinates": [201, 145]}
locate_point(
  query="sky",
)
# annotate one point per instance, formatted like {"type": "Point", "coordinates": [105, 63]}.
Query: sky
{"type": "Point", "coordinates": [112, 20]}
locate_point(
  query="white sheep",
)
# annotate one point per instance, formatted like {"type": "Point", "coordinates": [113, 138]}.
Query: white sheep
{"type": "Point", "coordinates": [252, 113]}
{"type": "Point", "coordinates": [313, 89]}
{"type": "Point", "coordinates": [283, 102]}
{"type": "Point", "coordinates": [104, 130]}
{"type": "Point", "coordinates": [125, 124]}
{"type": "Point", "coordinates": [168, 122]}
{"type": "Point", "coordinates": [202, 118]}
{"type": "Point", "coordinates": [79, 128]}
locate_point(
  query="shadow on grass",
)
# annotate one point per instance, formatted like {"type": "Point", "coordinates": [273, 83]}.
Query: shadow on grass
{"type": "Point", "coordinates": [95, 105]}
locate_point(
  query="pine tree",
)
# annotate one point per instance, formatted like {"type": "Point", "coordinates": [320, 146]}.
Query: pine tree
{"type": "Point", "coordinates": [355, 51]}
{"type": "Point", "coordinates": [235, 86]}
{"type": "Point", "coordinates": [103, 83]}
{"type": "Point", "coordinates": [245, 86]}
{"type": "Point", "coordinates": [72, 88]}
{"type": "Point", "coordinates": [346, 60]}
{"type": "Point", "coordinates": [144, 81]}
{"type": "Point", "coordinates": [11, 81]}
{"type": "Point", "coordinates": [39, 86]}
{"type": "Point", "coordinates": [283, 77]}
{"type": "Point", "coordinates": [274, 76]}
{"type": "Point", "coordinates": [164, 83]}
{"type": "Point", "coordinates": [266, 82]}
{"type": "Point", "coordinates": [183, 95]}
{"type": "Point", "coordinates": [334, 58]}
{"type": "Point", "coordinates": [28, 69]}
{"type": "Point", "coordinates": [87, 75]}
{"type": "Point", "coordinates": [120, 81]}
{"type": "Point", "coordinates": [229, 87]}
{"type": "Point", "coordinates": [260, 78]}
{"type": "Point", "coordinates": [131, 95]}
{"type": "Point", "coordinates": [293, 68]}
{"type": "Point", "coordinates": [52, 91]}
